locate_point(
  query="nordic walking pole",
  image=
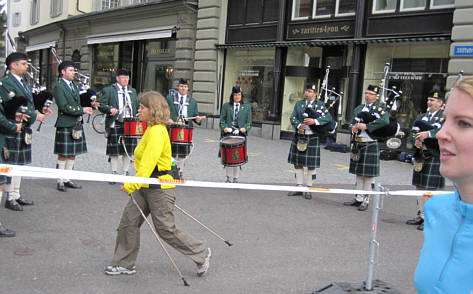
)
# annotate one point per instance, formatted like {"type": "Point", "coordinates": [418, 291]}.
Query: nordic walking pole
{"type": "Point", "coordinates": [207, 228]}
{"type": "Point", "coordinates": [159, 241]}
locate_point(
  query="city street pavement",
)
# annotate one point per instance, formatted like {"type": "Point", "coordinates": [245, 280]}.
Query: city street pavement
{"type": "Point", "coordinates": [281, 244]}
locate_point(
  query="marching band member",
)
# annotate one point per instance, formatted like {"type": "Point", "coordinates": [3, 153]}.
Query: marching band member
{"type": "Point", "coordinates": [119, 101]}
{"type": "Point", "coordinates": [182, 105]}
{"type": "Point", "coordinates": [364, 162]}
{"type": "Point", "coordinates": [153, 159]}
{"type": "Point", "coordinates": [305, 146]}
{"type": "Point", "coordinates": [446, 260]}
{"type": "Point", "coordinates": [70, 137]}
{"type": "Point", "coordinates": [235, 119]}
{"type": "Point", "coordinates": [18, 145]}
{"type": "Point", "coordinates": [6, 127]}
{"type": "Point", "coordinates": [426, 174]}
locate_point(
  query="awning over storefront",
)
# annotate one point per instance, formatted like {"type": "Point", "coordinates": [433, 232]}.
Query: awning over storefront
{"type": "Point", "coordinates": [121, 36]}
{"type": "Point", "coordinates": [40, 46]}
{"type": "Point", "coordinates": [333, 42]}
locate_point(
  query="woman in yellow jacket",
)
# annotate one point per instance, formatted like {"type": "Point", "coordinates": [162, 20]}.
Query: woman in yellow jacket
{"type": "Point", "coordinates": [153, 159]}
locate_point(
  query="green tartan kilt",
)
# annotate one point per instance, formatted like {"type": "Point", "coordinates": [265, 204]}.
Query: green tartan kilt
{"type": "Point", "coordinates": [429, 177]}
{"type": "Point", "coordinates": [115, 143]}
{"type": "Point", "coordinates": [19, 152]}
{"type": "Point", "coordinates": [66, 146]}
{"type": "Point", "coordinates": [310, 157]}
{"type": "Point", "coordinates": [368, 164]}
{"type": "Point", "coordinates": [180, 150]}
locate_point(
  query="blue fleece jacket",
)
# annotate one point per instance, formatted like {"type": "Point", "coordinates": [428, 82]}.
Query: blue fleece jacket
{"type": "Point", "coordinates": [446, 259]}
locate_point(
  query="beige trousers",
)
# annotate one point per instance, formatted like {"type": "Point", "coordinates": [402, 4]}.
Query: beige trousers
{"type": "Point", "coordinates": [160, 204]}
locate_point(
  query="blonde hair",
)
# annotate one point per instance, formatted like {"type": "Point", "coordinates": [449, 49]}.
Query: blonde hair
{"type": "Point", "coordinates": [465, 85]}
{"type": "Point", "coordinates": [157, 105]}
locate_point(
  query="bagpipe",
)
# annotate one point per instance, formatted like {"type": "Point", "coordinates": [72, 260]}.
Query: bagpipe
{"type": "Point", "coordinates": [309, 112]}
{"type": "Point", "coordinates": [13, 104]}
{"type": "Point", "coordinates": [389, 102]}
{"type": "Point", "coordinates": [42, 98]}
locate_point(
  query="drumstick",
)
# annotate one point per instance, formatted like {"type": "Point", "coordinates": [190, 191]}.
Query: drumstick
{"type": "Point", "coordinates": [194, 117]}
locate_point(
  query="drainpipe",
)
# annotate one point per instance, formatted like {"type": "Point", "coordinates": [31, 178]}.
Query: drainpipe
{"type": "Point", "coordinates": [77, 7]}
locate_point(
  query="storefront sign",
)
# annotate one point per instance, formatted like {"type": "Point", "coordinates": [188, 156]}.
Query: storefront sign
{"type": "Point", "coordinates": [249, 73]}
{"type": "Point", "coordinates": [463, 50]}
{"type": "Point", "coordinates": [320, 30]}
{"type": "Point", "coordinates": [406, 76]}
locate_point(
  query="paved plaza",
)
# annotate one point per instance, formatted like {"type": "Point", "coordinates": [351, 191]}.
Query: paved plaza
{"type": "Point", "coordinates": [281, 244]}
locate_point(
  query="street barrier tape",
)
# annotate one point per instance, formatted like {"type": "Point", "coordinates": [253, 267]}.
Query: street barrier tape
{"type": "Point", "coordinates": [51, 173]}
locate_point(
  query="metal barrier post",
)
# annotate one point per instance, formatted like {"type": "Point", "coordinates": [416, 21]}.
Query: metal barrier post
{"type": "Point", "coordinates": [374, 244]}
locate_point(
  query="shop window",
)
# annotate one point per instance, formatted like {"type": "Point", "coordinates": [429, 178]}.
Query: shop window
{"type": "Point", "coordinates": [253, 71]}
{"type": "Point", "coordinates": [345, 7]}
{"type": "Point", "coordinates": [384, 6]}
{"type": "Point", "coordinates": [105, 63]}
{"type": "Point", "coordinates": [16, 19]}
{"type": "Point", "coordinates": [301, 9]}
{"type": "Point", "coordinates": [34, 12]}
{"type": "Point", "coordinates": [407, 5]}
{"type": "Point", "coordinates": [56, 8]}
{"type": "Point", "coordinates": [158, 65]}
{"type": "Point", "coordinates": [436, 4]}
{"type": "Point", "coordinates": [323, 8]}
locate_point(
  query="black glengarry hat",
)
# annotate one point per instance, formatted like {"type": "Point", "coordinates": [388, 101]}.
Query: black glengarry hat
{"type": "Point", "coordinates": [373, 88]}
{"type": "Point", "coordinates": [437, 95]}
{"type": "Point", "coordinates": [64, 65]}
{"type": "Point", "coordinates": [236, 89]}
{"type": "Point", "coordinates": [15, 56]}
{"type": "Point", "coordinates": [123, 72]}
{"type": "Point", "coordinates": [183, 81]}
{"type": "Point", "coordinates": [311, 86]}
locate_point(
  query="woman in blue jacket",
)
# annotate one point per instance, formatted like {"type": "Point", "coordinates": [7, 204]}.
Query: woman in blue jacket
{"type": "Point", "coordinates": [446, 259]}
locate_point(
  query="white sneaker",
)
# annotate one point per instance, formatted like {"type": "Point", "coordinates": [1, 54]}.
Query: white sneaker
{"type": "Point", "coordinates": [203, 268]}
{"type": "Point", "coordinates": [119, 270]}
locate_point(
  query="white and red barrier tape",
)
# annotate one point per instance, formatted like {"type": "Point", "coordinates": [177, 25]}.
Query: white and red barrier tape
{"type": "Point", "coordinates": [51, 173]}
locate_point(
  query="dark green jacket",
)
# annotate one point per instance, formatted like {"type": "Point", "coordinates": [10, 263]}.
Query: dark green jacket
{"type": "Point", "coordinates": [6, 127]}
{"type": "Point", "coordinates": [297, 116]}
{"type": "Point", "coordinates": [68, 104]}
{"type": "Point", "coordinates": [12, 84]}
{"type": "Point", "coordinates": [377, 107]}
{"type": "Point", "coordinates": [108, 99]}
{"type": "Point", "coordinates": [244, 116]}
{"type": "Point", "coordinates": [174, 107]}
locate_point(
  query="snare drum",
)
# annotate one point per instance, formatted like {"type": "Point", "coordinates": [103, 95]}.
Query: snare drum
{"type": "Point", "coordinates": [180, 134]}
{"type": "Point", "coordinates": [233, 150]}
{"type": "Point", "coordinates": [133, 128]}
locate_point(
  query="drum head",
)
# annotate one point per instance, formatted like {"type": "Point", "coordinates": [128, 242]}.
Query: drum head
{"type": "Point", "coordinates": [232, 140]}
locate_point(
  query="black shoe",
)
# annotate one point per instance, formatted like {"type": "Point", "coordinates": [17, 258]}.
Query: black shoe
{"type": "Point", "coordinates": [363, 206]}
{"type": "Point", "coordinates": [228, 180]}
{"type": "Point", "coordinates": [295, 194]}
{"type": "Point", "coordinates": [420, 227]}
{"type": "Point", "coordinates": [416, 221]}
{"type": "Point", "coordinates": [235, 180]}
{"type": "Point", "coordinates": [13, 205]}
{"type": "Point", "coordinates": [307, 195]}
{"type": "Point", "coordinates": [22, 201]}
{"type": "Point", "coordinates": [4, 232]}
{"type": "Point", "coordinates": [354, 202]}
{"type": "Point", "coordinates": [72, 185]}
{"type": "Point", "coordinates": [61, 187]}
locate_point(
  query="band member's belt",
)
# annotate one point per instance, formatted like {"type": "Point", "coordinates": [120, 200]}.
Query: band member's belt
{"type": "Point", "coordinates": [364, 140]}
